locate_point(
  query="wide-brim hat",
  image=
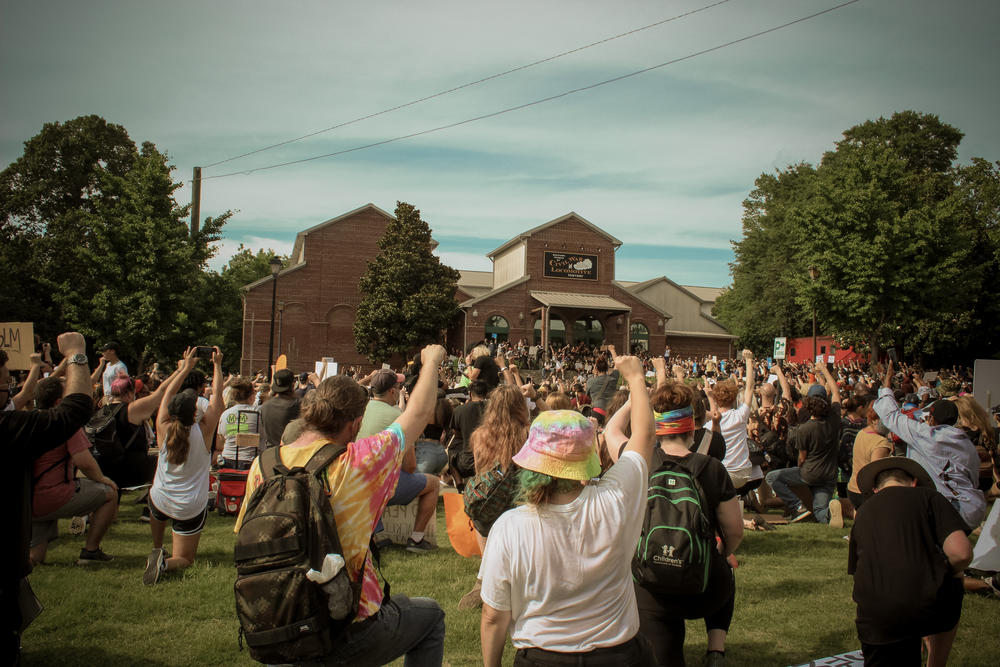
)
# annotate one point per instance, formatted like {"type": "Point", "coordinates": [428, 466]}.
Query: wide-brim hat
{"type": "Point", "coordinates": [868, 474]}
{"type": "Point", "coordinates": [562, 444]}
{"type": "Point", "coordinates": [282, 381]}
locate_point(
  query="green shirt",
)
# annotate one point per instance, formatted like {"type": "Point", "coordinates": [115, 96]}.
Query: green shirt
{"type": "Point", "coordinates": [378, 416]}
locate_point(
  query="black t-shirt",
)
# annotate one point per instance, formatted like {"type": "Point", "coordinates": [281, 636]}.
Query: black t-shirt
{"type": "Point", "coordinates": [275, 415]}
{"type": "Point", "coordinates": [489, 372]}
{"type": "Point", "coordinates": [903, 584]}
{"type": "Point", "coordinates": [464, 420]}
{"type": "Point", "coordinates": [820, 440]}
{"type": "Point", "coordinates": [714, 480]}
{"type": "Point", "coordinates": [716, 448]}
{"type": "Point", "coordinates": [131, 436]}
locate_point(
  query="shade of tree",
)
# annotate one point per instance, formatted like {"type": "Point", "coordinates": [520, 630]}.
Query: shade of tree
{"type": "Point", "coordinates": [408, 295]}
{"type": "Point", "coordinates": [901, 238]}
{"type": "Point", "coordinates": [101, 244]}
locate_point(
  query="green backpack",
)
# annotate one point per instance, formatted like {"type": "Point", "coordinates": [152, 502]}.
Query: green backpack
{"type": "Point", "coordinates": [289, 529]}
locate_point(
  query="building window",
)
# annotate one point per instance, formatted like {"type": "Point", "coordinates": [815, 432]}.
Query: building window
{"type": "Point", "coordinates": [588, 330]}
{"type": "Point", "coordinates": [557, 331]}
{"type": "Point", "coordinates": [639, 338]}
{"type": "Point", "coordinates": [497, 327]}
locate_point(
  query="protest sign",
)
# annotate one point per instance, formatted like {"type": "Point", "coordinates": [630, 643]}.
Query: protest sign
{"type": "Point", "coordinates": [17, 339]}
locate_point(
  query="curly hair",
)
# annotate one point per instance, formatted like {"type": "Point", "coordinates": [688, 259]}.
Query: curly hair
{"type": "Point", "coordinates": [816, 406]}
{"type": "Point", "coordinates": [671, 396]}
{"type": "Point", "coordinates": [503, 430]}
{"type": "Point", "coordinates": [725, 394]}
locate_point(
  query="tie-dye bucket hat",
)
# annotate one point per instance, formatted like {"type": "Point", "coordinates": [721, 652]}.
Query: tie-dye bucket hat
{"type": "Point", "coordinates": [563, 444]}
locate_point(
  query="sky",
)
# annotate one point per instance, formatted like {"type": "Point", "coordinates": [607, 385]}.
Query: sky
{"type": "Point", "coordinates": [662, 160]}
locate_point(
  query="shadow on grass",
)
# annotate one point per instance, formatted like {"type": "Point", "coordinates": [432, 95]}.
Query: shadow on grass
{"type": "Point", "coordinates": [83, 655]}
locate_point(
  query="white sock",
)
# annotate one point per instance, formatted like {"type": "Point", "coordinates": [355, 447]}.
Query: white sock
{"type": "Point", "coordinates": [416, 537]}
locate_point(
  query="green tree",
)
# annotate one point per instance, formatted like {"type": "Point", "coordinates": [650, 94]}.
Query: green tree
{"type": "Point", "coordinates": [224, 322]}
{"type": "Point", "coordinates": [408, 295]}
{"type": "Point", "coordinates": [106, 248]}
{"type": "Point", "coordinates": [900, 236]}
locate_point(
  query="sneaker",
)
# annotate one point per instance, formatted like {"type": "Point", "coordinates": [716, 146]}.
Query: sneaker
{"type": "Point", "coordinates": [423, 546]}
{"type": "Point", "coordinates": [90, 557]}
{"type": "Point", "coordinates": [382, 541]}
{"type": "Point", "coordinates": [473, 599]}
{"type": "Point", "coordinates": [836, 514]}
{"type": "Point", "coordinates": [994, 584]}
{"type": "Point", "coordinates": [715, 659]}
{"type": "Point", "coordinates": [156, 564]}
{"type": "Point", "coordinates": [801, 515]}
{"type": "Point", "coordinates": [78, 525]}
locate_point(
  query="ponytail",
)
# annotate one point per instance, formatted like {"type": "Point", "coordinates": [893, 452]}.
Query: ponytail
{"type": "Point", "coordinates": [178, 442]}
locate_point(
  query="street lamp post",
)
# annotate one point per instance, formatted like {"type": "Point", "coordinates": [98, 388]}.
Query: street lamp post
{"type": "Point", "coordinates": [814, 274]}
{"type": "Point", "coordinates": [275, 268]}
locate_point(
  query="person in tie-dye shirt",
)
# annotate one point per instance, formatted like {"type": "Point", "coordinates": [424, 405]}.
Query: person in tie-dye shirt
{"type": "Point", "coordinates": [362, 480]}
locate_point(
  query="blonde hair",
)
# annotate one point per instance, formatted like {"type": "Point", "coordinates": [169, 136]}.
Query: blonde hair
{"type": "Point", "coordinates": [972, 415]}
{"type": "Point", "coordinates": [503, 430]}
{"type": "Point", "coordinates": [480, 351]}
{"type": "Point", "coordinates": [178, 442]}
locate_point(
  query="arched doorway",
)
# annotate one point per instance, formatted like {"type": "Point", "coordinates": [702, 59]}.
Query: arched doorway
{"type": "Point", "coordinates": [638, 337]}
{"type": "Point", "coordinates": [588, 330]}
{"type": "Point", "coordinates": [497, 327]}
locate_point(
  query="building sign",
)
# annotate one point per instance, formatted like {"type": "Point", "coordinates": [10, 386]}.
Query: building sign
{"type": "Point", "coordinates": [570, 265]}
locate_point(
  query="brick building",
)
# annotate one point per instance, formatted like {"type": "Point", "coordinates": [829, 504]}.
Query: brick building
{"type": "Point", "coordinates": [551, 284]}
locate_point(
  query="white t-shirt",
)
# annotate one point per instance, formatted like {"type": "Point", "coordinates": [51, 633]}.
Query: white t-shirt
{"type": "Point", "coordinates": [111, 374]}
{"type": "Point", "coordinates": [734, 429]}
{"type": "Point", "coordinates": [563, 571]}
{"type": "Point", "coordinates": [181, 491]}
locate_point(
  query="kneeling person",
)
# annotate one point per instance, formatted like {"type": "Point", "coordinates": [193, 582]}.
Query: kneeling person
{"type": "Point", "coordinates": [58, 494]}
{"type": "Point", "coordinates": [907, 553]}
{"type": "Point", "coordinates": [362, 481]}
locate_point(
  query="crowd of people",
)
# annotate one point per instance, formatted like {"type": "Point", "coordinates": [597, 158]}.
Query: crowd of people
{"type": "Point", "coordinates": [564, 456]}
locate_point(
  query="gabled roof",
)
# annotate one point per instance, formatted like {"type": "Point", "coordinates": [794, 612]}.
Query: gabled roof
{"type": "Point", "coordinates": [639, 287]}
{"type": "Point", "coordinates": [502, 288]}
{"type": "Point", "coordinates": [475, 283]}
{"type": "Point", "coordinates": [709, 294]}
{"type": "Point", "coordinates": [638, 297]}
{"type": "Point", "coordinates": [524, 235]}
{"type": "Point", "coordinates": [301, 236]}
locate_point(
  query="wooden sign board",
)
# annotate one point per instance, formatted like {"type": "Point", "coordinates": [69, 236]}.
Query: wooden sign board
{"type": "Point", "coordinates": [17, 339]}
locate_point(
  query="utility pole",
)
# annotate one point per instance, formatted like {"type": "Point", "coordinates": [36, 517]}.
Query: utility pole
{"type": "Point", "coordinates": [195, 200]}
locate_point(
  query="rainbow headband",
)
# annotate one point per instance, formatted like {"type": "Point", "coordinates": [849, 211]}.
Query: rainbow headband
{"type": "Point", "coordinates": [674, 421]}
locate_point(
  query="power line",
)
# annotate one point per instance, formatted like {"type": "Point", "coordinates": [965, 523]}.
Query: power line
{"type": "Point", "coordinates": [468, 85]}
{"type": "Point", "coordinates": [539, 101]}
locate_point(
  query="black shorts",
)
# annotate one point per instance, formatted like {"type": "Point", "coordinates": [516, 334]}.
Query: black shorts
{"type": "Point", "coordinates": [191, 526]}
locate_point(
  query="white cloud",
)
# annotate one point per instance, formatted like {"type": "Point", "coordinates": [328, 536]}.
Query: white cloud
{"type": "Point", "coordinates": [229, 247]}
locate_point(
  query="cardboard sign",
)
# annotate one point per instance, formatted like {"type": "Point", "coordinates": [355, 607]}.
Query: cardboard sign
{"type": "Point", "coordinates": [986, 382]}
{"type": "Point", "coordinates": [819, 358]}
{"type": "Point", "coordinates": [282, 363]}
{"type": "Point", "coordinates": [830, 359]}
{"type": "Point", "coordinates": [17, 339]}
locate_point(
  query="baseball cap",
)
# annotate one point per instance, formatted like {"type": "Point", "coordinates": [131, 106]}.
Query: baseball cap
{"type": "Point", "coordinates": [282, 381]}
{"type": "Point", "coordinates": [385, 380]}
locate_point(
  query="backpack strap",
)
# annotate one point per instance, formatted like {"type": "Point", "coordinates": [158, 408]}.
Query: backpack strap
{"type": "Point", "coordinates": [270, 463]}
{"type": "Point", "coordinates": [52, 467]}
{"type": "Point", "coordinates": [706, 442]}
{"type": "Point", "coordinates": [323, 457]}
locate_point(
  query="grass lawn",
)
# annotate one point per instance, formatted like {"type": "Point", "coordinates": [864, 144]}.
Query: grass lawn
{"type": "Point", "coordinates": [793, 602]}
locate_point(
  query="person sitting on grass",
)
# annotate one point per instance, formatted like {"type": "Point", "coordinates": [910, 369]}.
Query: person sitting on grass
{"type": "Point", "coordinates": [58, 494]}
{"type": "Point", "coordinates": [180, 486]}
{"type": "Point", "coordinates": [907, 552]}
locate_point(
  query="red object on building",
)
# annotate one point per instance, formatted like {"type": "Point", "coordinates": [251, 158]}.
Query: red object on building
{"type": "Point", "coordinates": [799, 350]}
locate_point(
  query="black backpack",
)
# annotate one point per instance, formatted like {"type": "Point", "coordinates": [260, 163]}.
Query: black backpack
{"type": "Point", "coordinates": [288, 529]}
{"type": "Point", "coordinates": [102, 432]}
{"type": "Point", "coordinates": [677, 542]}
